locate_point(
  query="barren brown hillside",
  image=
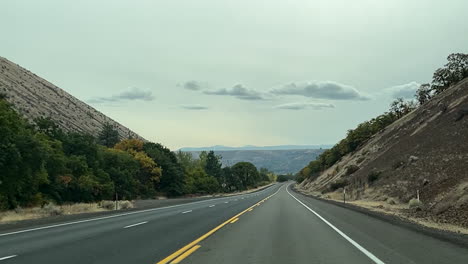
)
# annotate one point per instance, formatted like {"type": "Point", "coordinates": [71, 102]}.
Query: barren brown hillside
{"type": "Point", "coordinates": [425, 151]}
{"type": "Point", "coordinates": [35, 97]}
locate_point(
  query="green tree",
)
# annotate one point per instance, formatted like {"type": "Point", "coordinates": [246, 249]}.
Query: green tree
{"type": "Point", "coordinates": [247, 174]}
{"type": "Point", "coordinates": [172, 178]}
{"type": "Point", "coordinates": [22, 160]}
{"type": "Point", "coordinates": [108, 136]}
{"type": "Point", "coordinates": [213, 165]}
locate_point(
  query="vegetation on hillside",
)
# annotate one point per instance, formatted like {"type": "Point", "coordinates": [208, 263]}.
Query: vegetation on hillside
{"type": "Point", "coordinates": [40, 164]}
{"type": "Point", "coordinates": [454, 71]}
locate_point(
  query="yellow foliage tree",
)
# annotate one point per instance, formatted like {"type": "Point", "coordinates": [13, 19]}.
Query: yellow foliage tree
{"type": "Point", "coordinates": [148, 166]}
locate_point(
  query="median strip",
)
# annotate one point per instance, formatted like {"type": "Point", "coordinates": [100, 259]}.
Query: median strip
{"type": "Point", "coordinates": [212, 231]}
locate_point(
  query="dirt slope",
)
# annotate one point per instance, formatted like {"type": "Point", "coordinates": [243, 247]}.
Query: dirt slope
{"type": "Point", "coordinates": [425, 151]}
{"type": "Point", "coordinates": [35, 97]}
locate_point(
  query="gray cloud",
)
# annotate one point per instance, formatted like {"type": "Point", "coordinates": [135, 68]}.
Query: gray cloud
{"type": "Point", "coordinates": [239, 91]}
{"type": "Point", "coordinates": [194, 107]}
{"type": "Point", "coordinates": [301, 106]}
{"type": "Point", "coordinates": [321, 89]}
{"type": "Point", "coordinates": [406, 90]}
{"type": "Point", "coordinates": [193, 85]}
{"type": "Point", "coordinates": [133, 94]}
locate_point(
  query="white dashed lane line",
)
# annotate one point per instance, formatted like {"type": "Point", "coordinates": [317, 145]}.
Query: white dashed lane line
{"type": "Point", "coordinates": [185, 212]}
{"type": "Point", "coordinates": [137, 224]}
{"type": "Point", "coordinates": [8, 257]}
{"type": "Point", "coordinates": [211, 205]}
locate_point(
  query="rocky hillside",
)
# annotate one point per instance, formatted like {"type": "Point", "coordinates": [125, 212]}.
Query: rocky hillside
{"type": "Point", "coordinates": [35, 97]}
{"type": "Point", "coordinates": [426, 151]}
{"type": "Point", "coordinates": [278, 161]}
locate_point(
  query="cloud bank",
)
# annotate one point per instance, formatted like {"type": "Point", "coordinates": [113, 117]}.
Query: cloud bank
{"type": "Point", "coordinates": [304, 105]}
{"type": "Point", "coordinates": [321, 90]}
{"type": "Point", "coordinates": [238, 91]}
{"type": "Point", "coordinates": [193, 85]}
{"type": "Point", "coordinates": [134, 94]}
{"type": "Point", "coordinates": [406, 90]}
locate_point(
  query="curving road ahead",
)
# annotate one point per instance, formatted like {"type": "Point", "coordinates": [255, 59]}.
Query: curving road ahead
{"type": "Point", "coordinates": [275, 225]}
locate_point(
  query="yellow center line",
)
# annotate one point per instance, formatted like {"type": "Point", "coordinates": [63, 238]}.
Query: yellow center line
{"type": "Point", "coordinates": [186, 254]}
{"type": "Point", "coordinates": [196, 241]}
{"type": "Point", "coordinates": [235, 220]}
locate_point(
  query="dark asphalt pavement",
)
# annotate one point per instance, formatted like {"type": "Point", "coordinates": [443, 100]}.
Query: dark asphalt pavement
{"type": "Point", "coordinates": [281, 226]}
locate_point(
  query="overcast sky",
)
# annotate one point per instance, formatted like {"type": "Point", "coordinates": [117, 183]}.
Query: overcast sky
{"type": "Point", "coordinates": [207, 72]}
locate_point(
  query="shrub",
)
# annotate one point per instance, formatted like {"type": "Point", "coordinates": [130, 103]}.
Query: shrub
{"type": "Point", "coordinates": [397, 164]}
{"type": "Point", "coordinates": [351, 169]}
{"type": "Point", "coordinates": [109, 205]}
{"type": "Point", "coordinates": [338, 184]}
{"type": "Point", "coordinates": [52, 209]}
{"type": "Point", "coordinates": [125, 205]}
{"type": "Point", "coordinates": [414, 203]}
{"type": "Point", "coordinates": [373, 176]}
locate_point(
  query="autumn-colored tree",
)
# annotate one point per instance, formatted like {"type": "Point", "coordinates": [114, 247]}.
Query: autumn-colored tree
{"type": "Point", "coordinates": [150, 173]}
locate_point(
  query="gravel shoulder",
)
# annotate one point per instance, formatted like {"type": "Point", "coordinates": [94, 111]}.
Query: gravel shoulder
{"type": "Point", "coordinates": [433, 229]}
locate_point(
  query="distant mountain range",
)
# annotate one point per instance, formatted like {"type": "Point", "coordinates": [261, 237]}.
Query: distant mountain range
{"type": "Point", "coordinates": [251, 147]}
{"type": "Point", "coordinates": [280, 161]}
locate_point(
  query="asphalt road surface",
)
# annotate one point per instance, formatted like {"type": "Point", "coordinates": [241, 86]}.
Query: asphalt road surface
{"type": "Point", "coordinates": [274, 225]}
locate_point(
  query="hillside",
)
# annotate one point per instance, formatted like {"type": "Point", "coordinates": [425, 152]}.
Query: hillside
{"type": "Point", "coordinates": [35, 97]}
{"type": "Point", "coordinates": [425, 151]}
{"type": "Point", "coordinates": [278, 161]}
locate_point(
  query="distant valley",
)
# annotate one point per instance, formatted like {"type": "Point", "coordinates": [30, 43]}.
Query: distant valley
{"type": "Point", "coordinates": [280, 161]}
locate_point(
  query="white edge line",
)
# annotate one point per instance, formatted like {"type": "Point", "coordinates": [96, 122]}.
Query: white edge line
{"type": "Point", "coordinates": [137, 224]}
{"type": "Point", "coordinates": [116, 215]}
{"type": "Point", "coordinates": [189, 211]}
{"type": "Point", "coordinates": [8, 257]}
{"type": "Point", "coordinates": [354, 243]}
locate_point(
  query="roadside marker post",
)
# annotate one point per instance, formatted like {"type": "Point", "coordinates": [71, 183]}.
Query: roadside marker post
{"type": "Point", "coordinates": [344, 194]}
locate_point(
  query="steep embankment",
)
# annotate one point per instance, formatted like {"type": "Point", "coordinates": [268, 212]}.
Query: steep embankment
{"type": "Point", "coordinates": [425, 151]}
{"type": "Point", "coordinates": [35, 97]}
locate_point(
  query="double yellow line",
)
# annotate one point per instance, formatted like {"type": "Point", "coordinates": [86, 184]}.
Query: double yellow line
{"type": "Point", "coordinates": [191, 247]}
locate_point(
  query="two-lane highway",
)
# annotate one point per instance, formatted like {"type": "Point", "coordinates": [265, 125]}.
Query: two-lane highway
{"type": "Point", "coordinates": [145, 236]}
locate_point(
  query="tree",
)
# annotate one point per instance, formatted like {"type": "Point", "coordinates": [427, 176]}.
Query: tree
{"type": "Point", "coordinates": [246, 173]}
{"type": "Point", "coordinates": [264, 174]}
{"type": "Point", "coordinates": [455, 70]}
{"type": "Point", "coordinates": [149, 172]}
{"type": "Point", "coordinates": [121, 168]}
{"type": "Point", "coordinates": [108, 136]}
{"type": "Point", "coordinates": [22, 160]}
{"type": "Point", "coordinates": [400, 107]}
{"type": "Point", "coordinates": [172, 178]}
{"type": "Point", "coordinates": [424, 93]}
{"type": "Point", "coordinates": [213, 165]}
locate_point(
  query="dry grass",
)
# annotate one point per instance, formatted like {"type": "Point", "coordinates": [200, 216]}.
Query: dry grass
{"type": "Point", "coordinates": [51, 209]}
{"type": "Point", "coordinates": [396, 209]}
